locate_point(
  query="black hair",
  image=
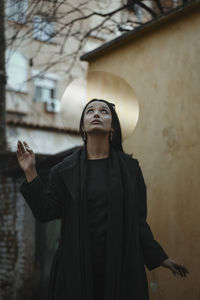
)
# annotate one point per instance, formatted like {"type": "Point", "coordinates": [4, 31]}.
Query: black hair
{"type": "Point", "coordinates": [116, 140]}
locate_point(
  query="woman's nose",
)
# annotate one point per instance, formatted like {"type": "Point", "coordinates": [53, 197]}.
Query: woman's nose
{"type": "Point", "coordinates": [96, 114]}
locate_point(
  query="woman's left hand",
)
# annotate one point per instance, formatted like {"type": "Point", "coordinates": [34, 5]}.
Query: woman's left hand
{"type": "Point", "coordinates": [176, 268]}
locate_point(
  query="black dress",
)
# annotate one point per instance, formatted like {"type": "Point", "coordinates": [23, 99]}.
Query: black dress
{"type": "Point", "coordinates": [97, 208]}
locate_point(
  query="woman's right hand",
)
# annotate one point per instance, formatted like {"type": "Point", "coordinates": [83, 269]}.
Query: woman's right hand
{"type": "Point", "coordinates": [25, 156]}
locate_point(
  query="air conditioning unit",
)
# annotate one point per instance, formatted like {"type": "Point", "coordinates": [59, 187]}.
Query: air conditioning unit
{"type": "Point", "coordinates": [53, 105]}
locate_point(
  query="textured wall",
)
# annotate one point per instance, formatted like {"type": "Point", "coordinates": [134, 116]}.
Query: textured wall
{"type": "Point", "coordinates": [27, 246]}
{"type": "Point", "coordinates": [17, 238]}
{"type": "Point", "coordinates": [163, 68]}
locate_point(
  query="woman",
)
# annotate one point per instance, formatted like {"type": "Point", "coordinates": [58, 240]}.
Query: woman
{"type": "Point", "coordinates": [100, 195]}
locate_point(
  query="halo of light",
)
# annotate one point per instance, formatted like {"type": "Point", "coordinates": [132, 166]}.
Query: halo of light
{"type": "Point", "coordinates": [108, 86]}
{"type": "Point", "coordinates": [73, 102]}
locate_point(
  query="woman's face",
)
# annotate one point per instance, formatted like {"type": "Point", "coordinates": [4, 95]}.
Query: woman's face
{"type": "Point", "coordinates": [97, 118]}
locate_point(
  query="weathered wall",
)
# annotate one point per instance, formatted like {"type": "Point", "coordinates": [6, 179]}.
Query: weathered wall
{"type": "Point", "coordinates": [17, 240]}
{"type": "Point", "coordinates": [163, 68]}
{"type": "Point", "coordinates": [26, 245]}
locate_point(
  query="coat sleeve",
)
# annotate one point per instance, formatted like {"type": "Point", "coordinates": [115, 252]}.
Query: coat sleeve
{"type": "Point", "coordinates": [45, 201]}
{"type": "Point", "coordinates": [152, 250]}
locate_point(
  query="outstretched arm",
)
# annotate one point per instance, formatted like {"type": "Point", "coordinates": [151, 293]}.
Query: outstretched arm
{"type": "Point", "coordinates": [154, 255]}
{"type": "Point", "coordinates": [175, 267]}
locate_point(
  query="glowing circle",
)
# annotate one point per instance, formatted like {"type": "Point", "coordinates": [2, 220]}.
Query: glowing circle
{"type": "Point", "coordinates": [73, 102]}
{"type": "Point", "coordinates": [100, 85]}
{"type": "Point", "coordinates": [108, 86]}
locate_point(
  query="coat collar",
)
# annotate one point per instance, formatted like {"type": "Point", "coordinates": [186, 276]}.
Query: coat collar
{"type": "Point", "coordinates": [69, 172]}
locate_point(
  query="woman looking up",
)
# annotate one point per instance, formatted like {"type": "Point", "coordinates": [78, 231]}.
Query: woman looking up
{"type": "Point", "coordinates": [99, 194]}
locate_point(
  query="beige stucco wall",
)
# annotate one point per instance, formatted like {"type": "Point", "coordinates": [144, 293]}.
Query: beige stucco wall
{"type": "Point", "coordinates": [163, 68]}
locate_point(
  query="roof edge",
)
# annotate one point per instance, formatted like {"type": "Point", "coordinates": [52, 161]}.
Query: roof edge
{"type": "Point", "coordinates": [32, 125]}
{"type": "Point", "coordinates": [148, 26]}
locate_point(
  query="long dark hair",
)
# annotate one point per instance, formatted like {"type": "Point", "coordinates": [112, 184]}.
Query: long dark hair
{"type": "Point", "coordinates": [116, 140]}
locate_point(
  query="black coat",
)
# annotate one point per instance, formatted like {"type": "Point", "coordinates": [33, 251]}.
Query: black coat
{"type": "Point", "coordinates": [61, 200]}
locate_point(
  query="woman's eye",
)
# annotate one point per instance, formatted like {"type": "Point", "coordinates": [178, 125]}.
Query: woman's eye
{"type": "Point", "coordinates": [103, 110]}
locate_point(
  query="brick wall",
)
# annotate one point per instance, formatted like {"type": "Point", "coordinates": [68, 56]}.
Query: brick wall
{"type": "Point", "coordinates": [17, 238]}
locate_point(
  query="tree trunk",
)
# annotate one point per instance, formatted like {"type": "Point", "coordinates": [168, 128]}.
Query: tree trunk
{"type": "Point", "coordinates": [2, 80]}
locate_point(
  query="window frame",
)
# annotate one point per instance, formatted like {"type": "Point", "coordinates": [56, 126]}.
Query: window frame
{"type": "Point", "coordinates": [12, 67]}
{"type": "Point", "coordinates": [39, 33]}
{"type": "Point", "coordinates": [44, 82]}
{"type": "Point", "coordinates": [12, 5]}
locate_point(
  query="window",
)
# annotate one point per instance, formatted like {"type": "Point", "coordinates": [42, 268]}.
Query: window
{"type": "Point", "coordinates": [135, 8]}
{"type": "Point", "coordinates": [138, 11]}
{"type": "Point", "coordinates": [16, 69]}
{"type": "Point", "coordinates": [42, 29]}
{"type": "Point", "coordinates": [45, 89]}
{"type": "Point", "coordinates": [16, 10]}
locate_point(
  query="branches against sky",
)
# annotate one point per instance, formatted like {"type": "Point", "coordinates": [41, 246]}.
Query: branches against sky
{"type": "Point", "coordinates": [67, 26]}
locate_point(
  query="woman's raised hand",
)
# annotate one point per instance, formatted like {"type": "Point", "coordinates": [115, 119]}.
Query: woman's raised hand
{"type": "Point", "coordinates": [25, 156]}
